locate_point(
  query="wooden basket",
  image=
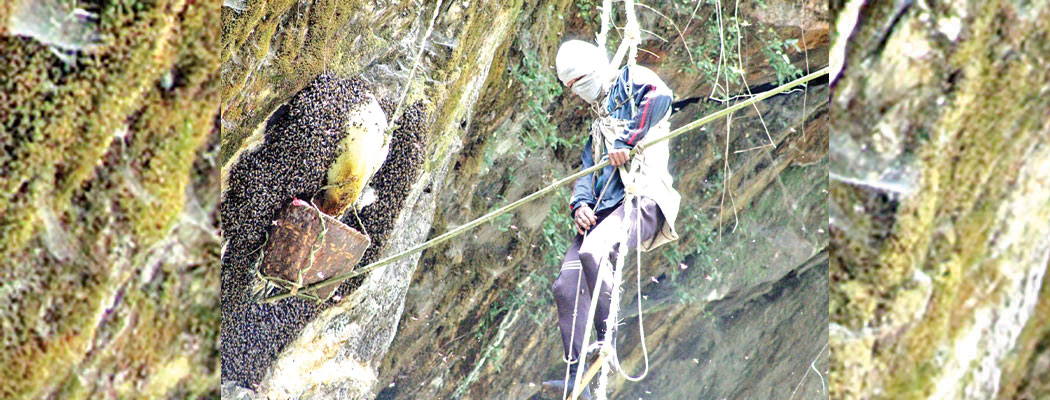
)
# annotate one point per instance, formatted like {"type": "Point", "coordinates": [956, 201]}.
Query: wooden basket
{"type": "Point", "coordinates": [308, 246]}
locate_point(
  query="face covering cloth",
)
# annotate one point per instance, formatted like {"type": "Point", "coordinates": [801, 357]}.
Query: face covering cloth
{"type": "Point", "coordinates": [579, 59]}
{"type": "Point", "coordinates": [588, 87]}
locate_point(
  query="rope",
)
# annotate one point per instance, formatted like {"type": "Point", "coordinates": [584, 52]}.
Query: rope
{"type": "Point", "coordinates": [550, 188]}
{"type": "Point", "coordinates": [633, 37]}
{"type": "Point", "coordinates": [641, 327]}
{"type": "Point", "coordinates": [632, 29]}
{"type": "Point", "coordinates": [611, 321]}
{"type": "Point", "coordinates": [411, 74]}
{"type": "Point", "coordinates": [805, 94]}
{"type": "Point", "coordinates": [615, 359]}
{"type": "Point", "coordinates": [721, 54]}
{"type": "Point", "coordinates": [606, 16]}
{"type": "Point", "coordinates": [743, 77]}
{"type": "Point", "coordinates": [608, 352]}
{"type": "Point", "coordinates": [576, 302]}
{"type": "Point", "coordinates": [587, 332]}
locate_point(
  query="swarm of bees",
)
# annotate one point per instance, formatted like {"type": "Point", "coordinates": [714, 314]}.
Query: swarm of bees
{"type": "Point", "coordinates": [301, 143]}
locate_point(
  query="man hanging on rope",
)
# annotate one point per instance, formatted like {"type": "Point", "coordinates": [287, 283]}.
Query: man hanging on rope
{"type": "Point", "coordinates": [632, 107]}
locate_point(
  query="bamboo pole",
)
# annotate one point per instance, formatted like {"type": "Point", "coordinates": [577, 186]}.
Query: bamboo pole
{"type": "Point", "coordinates": [587, 376]}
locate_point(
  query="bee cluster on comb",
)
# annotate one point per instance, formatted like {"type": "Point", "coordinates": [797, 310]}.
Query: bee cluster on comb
{"type": "Point", "coordinates": [301, 143]}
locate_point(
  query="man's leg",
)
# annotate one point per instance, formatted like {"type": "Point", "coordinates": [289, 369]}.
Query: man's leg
{"type": "Point", "coordinates": [600, 248]}
{"type": "Point", "coordinates": [570, 291]}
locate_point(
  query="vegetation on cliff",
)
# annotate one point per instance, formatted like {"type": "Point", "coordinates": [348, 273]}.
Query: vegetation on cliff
{"type": "Point", "coordinates": [936, 232]}
{"type": "Point", "coordinates": [106, 199]}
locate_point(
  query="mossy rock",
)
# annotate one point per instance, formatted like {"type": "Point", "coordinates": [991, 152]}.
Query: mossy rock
{"type": "Point", "coordinates": [106, 172]}
{"type": "Point", "coordinates": [972, 134]}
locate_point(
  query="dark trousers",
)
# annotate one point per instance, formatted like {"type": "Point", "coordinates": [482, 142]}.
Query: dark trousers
{"type": "Point", "coordinates": [597, 251]}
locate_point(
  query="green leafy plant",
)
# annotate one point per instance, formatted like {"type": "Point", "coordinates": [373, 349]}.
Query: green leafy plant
{"type": "Point", "coordinates": [589, 12]}
{"type": "Point", "coordinates": [773, 48]}
{"type": "Point", "coordinates": [539, 88]}
{"type": "Point", "coordinates": [502, 222]}
{"type": "Point", "coordinates": [708, 54]}
{"type": "Point", "coordinates": [697, 239]}
{"type": "Point", "coordinates": [557, 231]}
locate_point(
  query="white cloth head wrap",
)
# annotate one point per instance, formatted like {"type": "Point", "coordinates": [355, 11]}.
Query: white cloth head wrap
{"type": "Point", "coordinates": [577, 58]}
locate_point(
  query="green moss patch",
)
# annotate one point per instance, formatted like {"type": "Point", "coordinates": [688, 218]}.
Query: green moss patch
{"type": "Point", "coordinates": [969, 164]}
{"type": "Point", "coordinates": [98, 150]}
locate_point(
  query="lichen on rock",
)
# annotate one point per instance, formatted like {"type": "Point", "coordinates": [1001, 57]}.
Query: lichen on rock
{"type": "Point", "coordinates": [922, 88]}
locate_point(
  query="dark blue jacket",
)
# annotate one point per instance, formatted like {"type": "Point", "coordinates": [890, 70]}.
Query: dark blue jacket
{"type": "Point", "coordinates": [652, 100]}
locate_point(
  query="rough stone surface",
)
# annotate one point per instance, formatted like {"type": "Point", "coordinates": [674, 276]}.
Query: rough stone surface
{"type": "Point", "coordinates": [938, 200]}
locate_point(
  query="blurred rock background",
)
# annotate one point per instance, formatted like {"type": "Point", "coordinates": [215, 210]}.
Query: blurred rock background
{"type": "Point", "coordinates": [939, 201]}
{"type": "Point", "coordinates": [109, 156]}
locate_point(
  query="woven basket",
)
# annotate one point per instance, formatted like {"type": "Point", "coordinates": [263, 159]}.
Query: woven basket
{"type": "Point", "coordinates": [308, 246]}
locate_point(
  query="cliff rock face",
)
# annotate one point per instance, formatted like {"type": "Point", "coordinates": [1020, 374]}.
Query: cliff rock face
{"type": "Point", "coordinates": [109, 176]}
{"type": "Point", "coordinates": [939, 200]}
{"type": "Point", "coordinates": [729, 310]}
